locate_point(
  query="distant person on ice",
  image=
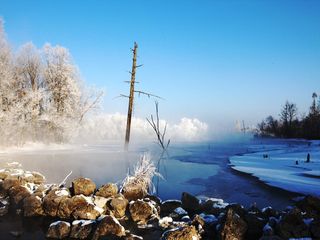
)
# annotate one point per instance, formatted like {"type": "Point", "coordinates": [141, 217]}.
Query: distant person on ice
{"type": "Point", "coordinates": [308, 157]}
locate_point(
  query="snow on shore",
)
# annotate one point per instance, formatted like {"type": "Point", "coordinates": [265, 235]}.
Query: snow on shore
{"type": "Point", "coordinates": [280, 169]}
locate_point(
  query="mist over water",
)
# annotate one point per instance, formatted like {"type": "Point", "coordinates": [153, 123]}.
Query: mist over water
{"type": "Point", "coordinates": [200, 168]}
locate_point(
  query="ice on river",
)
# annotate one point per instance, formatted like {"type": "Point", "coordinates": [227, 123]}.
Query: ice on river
{"type": "Point", "coordinates": [284, 168]}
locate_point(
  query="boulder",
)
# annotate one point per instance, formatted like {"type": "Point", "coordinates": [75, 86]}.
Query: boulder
{"type": "Point", "coordinates": [88, 212]}
{"type": "Point", "coordinates": [32, 206]}
{"type": "Point", "coordinates": [68, 205]}
{"type": "Point", "coordinates": [109, 226]}
{"type": "Point", "coordinates": [107, 190]}
{"type": "Point", "coordinates": [134, 191]}
{"type": "Point", "coordinates": [10, 182]}
{"type": "Point", "coordinates": [255, 226]}
{"type": "Point", "coordinates": [292, 225]}
{"type": "Point", "coordinates": [269, 212]}
{"type": "Point", "coordinates": [233, 227]}
{"type": "Point", "coordinates": [18, 193]}
{"type": "Point", "coordinates": [237, 208]}
{"type": "Point", "coordinates": [189, 202]}
{"type": "Point", "coordinates": [142, 211]}
{"type": "Point", "coordinates": [311, 205]}
{"type": "Point", "coordinates": [169, 206]}
{"type": "Point", "coordinates": [118, 206]}
{"type": "Point", "coordinates": [4, 206]}
{"type": "Point", "coordinates": [38, 178]}
{"type": "Point", "coordinates": [58, 230]}
{"type": "Point", "coordinates": [315, 229]}
{"type": "Point", "coordinates": [52, 201]}
{"type": "Point", "coordinates": [81, 229]}
{"type": "Point", "coordinates": [184, 233]}
{"type": "Point", "coordinates": [83, 186]}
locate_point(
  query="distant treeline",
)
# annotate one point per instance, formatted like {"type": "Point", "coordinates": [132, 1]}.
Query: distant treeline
{"type": "Point", "coordinates": [290, 126]}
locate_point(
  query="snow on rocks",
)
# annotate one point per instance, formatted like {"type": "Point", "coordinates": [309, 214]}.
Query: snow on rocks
{"type": "Point", "coordinates": [191, 217]}
{"type": "Point", "coordinates": [83, 186]}
{"type": "Point", "coordinates": [58, 230]}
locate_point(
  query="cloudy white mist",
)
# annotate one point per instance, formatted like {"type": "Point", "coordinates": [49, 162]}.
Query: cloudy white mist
{"type": "Point", "coordinates": [112, 127]}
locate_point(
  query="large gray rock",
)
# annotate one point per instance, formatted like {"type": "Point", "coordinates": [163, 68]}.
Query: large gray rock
{"type": "Point", "coordinates": [107, 190]}
{"type": "Point", "coordinates": [233, 227]}
{"type": "Point", "coordinates": [58, 230]}
{"type": "Point", "coordinates": [109, 226]}
{"type": "Point", "coordinates": [142, 211]}
{"type": "Point", "coordinates": [184, 233]}
{"type": "Point", "coordinates": [83, 186]}
{"type": "Point", "coordinates": [32, 206]}
{"type": "Point", "coordinates": [81, 229]}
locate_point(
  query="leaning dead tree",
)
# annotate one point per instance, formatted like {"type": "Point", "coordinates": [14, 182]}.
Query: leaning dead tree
{"type": "Point", "coordinates": [155, 124]}
{"type": "Point", "coordinates": [132, 92]}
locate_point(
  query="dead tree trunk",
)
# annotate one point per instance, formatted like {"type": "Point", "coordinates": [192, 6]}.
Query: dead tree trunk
{"type": "Point", "coordinates": [131, 96]}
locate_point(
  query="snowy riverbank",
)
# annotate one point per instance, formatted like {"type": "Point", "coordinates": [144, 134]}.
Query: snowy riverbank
{"type": "Point", "coordinates": [284, 167]}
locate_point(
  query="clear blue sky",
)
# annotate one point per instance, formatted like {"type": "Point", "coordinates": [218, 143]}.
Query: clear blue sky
{"type": "Point", "coordinates": [219, 61]}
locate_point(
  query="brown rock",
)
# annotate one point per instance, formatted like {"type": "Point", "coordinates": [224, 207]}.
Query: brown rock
{"type": "Point", "coordinates": [292, 225]}
{"type": "Point", "coordinates": [52, 200]}
{"type": "Point", "coordinates": [81, 229]}
{"type": "Point", "coordinates": [315, 229]}
{"type": "Point", "coordinates": [184, 233]}
{"type": "Point", "coordinates": [83, 186]}
{"type": "Point", "coordinates": [134, 192]}
{"type": "Point", "coordinates": [58, 230]}
{"type": "Point", "coordinates": [234, 227]}
{"type": "Point", "coordinates": [32, 206]}
{"type": "Point", "coordinates": [38, 178]}
{"type": "Point", "coordinates": [310, 205]}
{"type": "Point", "coordinates": [118, 206]}
{"type": "Point", "coordinates": [18, 193]}
{"type": "Point", "coordinates": [190, 203]}
{"type": "Point", "coordinates": [142, 211]}
{"type": "Point", "coordinates": [10, 182]}
{"type": "Point", "coordinates": [107, 190]}
{"type": "Point", "coordinates": [88, 212]}
{"type": "Point", "coordinates": [169, 206]}
{"type": "Point", "coordinates": [109, 225]}
{"type": "Point", "coordinates": [4, 206]}
{"type": "Point", "coordinates": [255, 226]}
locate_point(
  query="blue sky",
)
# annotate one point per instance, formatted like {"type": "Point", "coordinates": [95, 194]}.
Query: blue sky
{"type": "Point", "coordinates": [219, 61]}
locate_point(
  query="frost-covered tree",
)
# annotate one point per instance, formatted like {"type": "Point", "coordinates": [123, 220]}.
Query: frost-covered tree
{"type": "Point", "coordinates": [62, 81]}
{"type": "Point", "coordinates": [5, 70]}
{"type": "Point", "coordinates": [41, 98]}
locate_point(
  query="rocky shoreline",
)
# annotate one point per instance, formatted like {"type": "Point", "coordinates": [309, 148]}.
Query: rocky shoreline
{"type": "Point", "coordinates": [87, 211]}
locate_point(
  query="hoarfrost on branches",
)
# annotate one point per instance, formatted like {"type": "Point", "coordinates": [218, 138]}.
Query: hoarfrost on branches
{"type": "Point", "coordinates": [42, 97]}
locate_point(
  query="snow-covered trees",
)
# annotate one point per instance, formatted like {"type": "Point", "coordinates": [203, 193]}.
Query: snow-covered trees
{"type": "Point", "coordinates": [41, 96]}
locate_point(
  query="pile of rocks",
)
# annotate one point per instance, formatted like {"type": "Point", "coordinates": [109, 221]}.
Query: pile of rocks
{"type": "Point", "coordinates": [84, 211]}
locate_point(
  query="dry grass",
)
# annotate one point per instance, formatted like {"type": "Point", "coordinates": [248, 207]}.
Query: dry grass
{"type": "Point", "coordinates": [143, 173]}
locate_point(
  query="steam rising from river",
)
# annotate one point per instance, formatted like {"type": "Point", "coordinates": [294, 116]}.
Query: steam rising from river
{"type": "Point", "coordinates": [112, 127]}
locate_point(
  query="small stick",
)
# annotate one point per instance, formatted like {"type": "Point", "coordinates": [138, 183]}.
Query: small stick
{"type": "Point", "coordinates": [64, 180]}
